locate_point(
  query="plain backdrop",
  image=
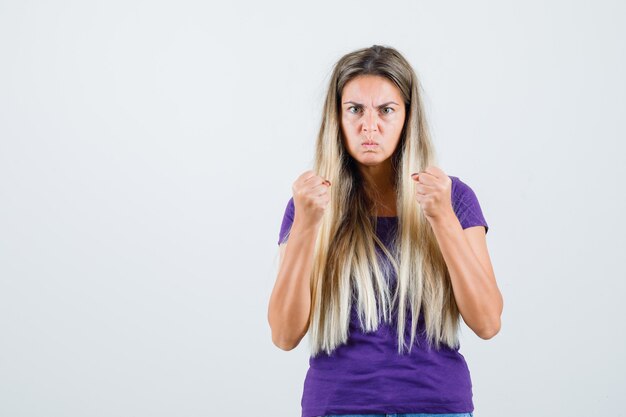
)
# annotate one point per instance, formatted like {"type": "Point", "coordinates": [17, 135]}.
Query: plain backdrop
{"type": "Point", "coordinates": [147, 153]}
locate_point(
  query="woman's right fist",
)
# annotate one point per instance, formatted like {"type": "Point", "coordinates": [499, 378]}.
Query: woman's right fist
{"type": "Point", "coordinates": [310, 197]}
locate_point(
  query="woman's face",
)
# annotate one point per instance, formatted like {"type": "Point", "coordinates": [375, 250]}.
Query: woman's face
{"type": "Point", "coordinates": [372, 116]}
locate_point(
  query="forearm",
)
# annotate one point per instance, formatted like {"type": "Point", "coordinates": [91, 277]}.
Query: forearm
{"type": "Point", "coordinates": [290, 302]}
{"type": "Point", "coordinates": [475, 291]}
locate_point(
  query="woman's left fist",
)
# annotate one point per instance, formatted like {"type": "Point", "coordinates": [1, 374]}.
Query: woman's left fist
{"type": "Point", "coordinates": [434, 192]}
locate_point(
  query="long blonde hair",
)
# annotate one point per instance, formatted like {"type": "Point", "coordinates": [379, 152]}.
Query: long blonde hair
{"type": "Point", "coordinates": [351, 270]}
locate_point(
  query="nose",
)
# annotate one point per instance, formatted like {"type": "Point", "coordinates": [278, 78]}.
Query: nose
{"type": "Point", "coordinates": [370, 121]}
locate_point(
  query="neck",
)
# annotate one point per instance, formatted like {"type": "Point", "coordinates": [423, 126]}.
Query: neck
{"type": "Point", "coordinates": [379, 184]}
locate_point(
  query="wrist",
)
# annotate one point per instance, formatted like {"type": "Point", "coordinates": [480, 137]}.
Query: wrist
{"type": "Point", "coordinates": [304, 227]}
{"type": "Point", "coordinates": [445, 218]}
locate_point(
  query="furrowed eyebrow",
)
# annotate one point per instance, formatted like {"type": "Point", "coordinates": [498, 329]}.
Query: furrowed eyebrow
{"type": "Point", "coordinates": [382, 105]}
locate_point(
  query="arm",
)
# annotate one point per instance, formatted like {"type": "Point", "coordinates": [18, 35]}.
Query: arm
{"type": "Point", "coordinates": [290, 302]}
{"type": "Point", "coordinates": [473, 281]}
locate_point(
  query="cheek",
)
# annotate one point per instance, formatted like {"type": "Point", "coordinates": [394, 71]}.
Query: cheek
{"type": "Point", "coordinates": [347, 123]}
{"type": "Point", "coordinates": [397, 126]}
{"type": "Point", "coordinates": [349, 133]}
{"type": "Point", "coordinates": [345, 138]}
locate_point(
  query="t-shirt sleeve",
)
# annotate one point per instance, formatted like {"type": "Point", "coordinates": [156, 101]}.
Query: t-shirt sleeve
{"type": "Point", "coordinates": [285, 227]}
{"type": "Point", "coordinates": [466, 205]}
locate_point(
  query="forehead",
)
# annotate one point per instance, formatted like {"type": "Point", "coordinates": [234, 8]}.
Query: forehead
{"type": "Point", "coordinates": [372, 87]}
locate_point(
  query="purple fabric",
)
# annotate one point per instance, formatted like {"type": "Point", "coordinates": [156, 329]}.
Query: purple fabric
{"type": "Point", "coordinates": [464, 202]}
{"type": "Point", "coordinates": [367, 375]}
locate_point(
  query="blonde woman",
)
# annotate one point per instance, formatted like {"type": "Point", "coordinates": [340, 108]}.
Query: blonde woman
{"type": "Point", "coordinates": [381, 252]}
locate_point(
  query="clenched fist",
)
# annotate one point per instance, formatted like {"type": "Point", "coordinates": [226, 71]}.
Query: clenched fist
{"type": "Point", "coordinates": [433, 192]}
{"type": "Point", "coordinates": [310, 196]}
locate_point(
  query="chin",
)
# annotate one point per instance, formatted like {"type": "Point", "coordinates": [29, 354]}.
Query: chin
{"type": "Point", "coordinates": [371, 162]}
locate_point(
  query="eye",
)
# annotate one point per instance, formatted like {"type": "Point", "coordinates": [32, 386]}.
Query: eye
{"type": "Point", "coordinates": [391, 110]}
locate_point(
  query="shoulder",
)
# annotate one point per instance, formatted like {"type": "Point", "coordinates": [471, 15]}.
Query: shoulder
{"type": "Point", "coordinates": [458, 186]}
{"type": "Point", "coordinates": [291, 208]}
{"type": "Point", "coordinates": [288, 218]}
{"type": "Point", "coordinates": [465, 204]}
{"type": "Point", "coordinates": [460, 189]}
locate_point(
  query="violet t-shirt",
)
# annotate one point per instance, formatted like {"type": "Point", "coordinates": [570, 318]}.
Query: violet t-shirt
{"type": "Point", "coordinates": [367, 375]}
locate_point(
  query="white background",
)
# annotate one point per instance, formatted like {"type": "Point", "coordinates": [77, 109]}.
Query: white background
{"type": "Point", "coordinates": [147, 153]}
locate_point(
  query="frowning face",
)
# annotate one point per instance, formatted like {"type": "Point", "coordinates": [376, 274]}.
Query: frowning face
{"type": "Point", "coordinates": [372, 116]}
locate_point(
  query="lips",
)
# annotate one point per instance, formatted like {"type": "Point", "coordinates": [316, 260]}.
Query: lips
{"type": "Point", "coordinates": [369, 143]}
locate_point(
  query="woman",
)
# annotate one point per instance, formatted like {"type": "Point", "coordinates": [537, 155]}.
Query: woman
{"type": "Point", "coordinates": [377, 244]}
